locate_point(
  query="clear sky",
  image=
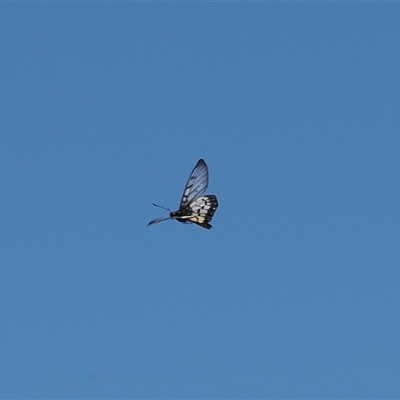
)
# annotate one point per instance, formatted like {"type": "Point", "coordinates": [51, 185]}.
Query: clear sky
{"type": "Point", "coordinates": [106, 108]}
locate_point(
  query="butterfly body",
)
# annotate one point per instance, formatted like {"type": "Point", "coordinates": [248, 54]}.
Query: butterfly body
{"type": "Point", "coordinates": [194, 207]}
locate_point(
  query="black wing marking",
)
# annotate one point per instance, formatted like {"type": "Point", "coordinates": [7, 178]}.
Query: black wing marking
{"type": "Point", "coordinates": [196, 184]}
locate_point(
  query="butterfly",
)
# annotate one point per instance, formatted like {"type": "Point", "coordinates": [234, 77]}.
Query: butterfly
{"type": "Point", "coordinates": [194, 207]}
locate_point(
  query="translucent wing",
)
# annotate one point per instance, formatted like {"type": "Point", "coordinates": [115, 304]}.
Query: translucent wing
{"type": "Point", "coordinates": [196, 184]}
{"type": "Point", "coordinates": [156, 221]}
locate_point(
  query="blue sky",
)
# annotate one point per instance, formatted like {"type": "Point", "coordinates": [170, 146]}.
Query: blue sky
{"type": "Point", "coordinates": [106, 108]}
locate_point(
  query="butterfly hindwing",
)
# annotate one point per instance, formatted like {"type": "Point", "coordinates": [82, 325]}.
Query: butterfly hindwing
{"type": "Point", "coordinates": [200, 211]}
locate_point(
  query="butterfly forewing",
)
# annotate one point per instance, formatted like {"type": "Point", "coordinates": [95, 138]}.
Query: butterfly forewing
{"type": "Point", "coordinates": [196, 184]}
{"type": "Point", "coordinates": [157, 220]}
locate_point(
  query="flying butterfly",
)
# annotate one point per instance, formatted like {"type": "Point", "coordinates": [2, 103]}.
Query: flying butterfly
{"type": "Point", "coordinates": [194, 207]}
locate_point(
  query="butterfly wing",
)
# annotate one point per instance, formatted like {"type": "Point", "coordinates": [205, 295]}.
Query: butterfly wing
{"type": "Point", "coordinates": [200, 211]}
{"type": "Point", "coordinates": [196, 184]}
{"type": "Point", "coordinates": [157, 220]}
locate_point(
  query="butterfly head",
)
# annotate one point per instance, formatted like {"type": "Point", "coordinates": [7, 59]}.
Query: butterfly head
{"type": "Point", "coordinates": [176, 214]}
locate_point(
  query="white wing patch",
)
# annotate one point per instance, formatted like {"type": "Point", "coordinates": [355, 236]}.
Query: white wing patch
{"type": "Point", "coordinates": [201, 205]}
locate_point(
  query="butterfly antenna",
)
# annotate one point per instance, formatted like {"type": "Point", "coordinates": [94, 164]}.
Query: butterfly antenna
{"type": "Point", "coordinates": [156, 205]}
